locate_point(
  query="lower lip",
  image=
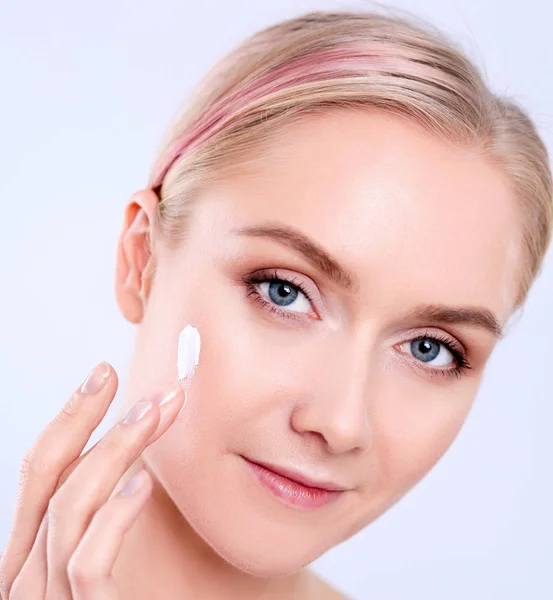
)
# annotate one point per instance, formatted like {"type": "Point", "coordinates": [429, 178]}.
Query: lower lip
{"type": "Point", "coordinates": [291, 492]}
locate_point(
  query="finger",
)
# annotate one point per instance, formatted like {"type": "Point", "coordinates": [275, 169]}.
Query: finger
{"type": "Point", "coordinates": [31, 579]}
{"type": "Point", "coordinates": [91, 483]}
{"type": "Point", "coordinates": [90, 567]}
{"type": "Point", "coordinates": [156, 435]}
{"type": "Point", "coordinates": [59, 444]}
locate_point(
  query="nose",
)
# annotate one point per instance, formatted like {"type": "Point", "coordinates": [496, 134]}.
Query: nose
{"type": "Point", "coordinates": [336, 410]}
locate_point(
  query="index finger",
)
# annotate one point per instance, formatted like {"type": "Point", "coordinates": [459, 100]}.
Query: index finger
{"type": "Point", "coordinates": [58, 445]}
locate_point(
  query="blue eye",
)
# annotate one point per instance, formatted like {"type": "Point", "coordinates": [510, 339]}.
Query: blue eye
{"type": "Point", "coordinates": [285, 295]}
{"type": "Point", "coordinates": [427, 350]}
{"type": "Point", "coordinates": [282, 293]}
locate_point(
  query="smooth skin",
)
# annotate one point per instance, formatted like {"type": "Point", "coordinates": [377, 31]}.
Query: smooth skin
{"type": "Point", "coordinates": [332, 383]}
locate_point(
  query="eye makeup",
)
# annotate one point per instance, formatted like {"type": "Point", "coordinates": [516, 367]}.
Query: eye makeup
{"type": "Point", "coordinates": [460, 360]}
{"type": "Point", "coordinates": [274, 276]}
{"type": "Point", "coordinates": [253, 282]}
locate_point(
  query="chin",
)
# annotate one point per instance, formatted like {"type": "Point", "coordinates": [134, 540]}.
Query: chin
{"type": "Point", "coordinates": [266, 561]}
{"type": "Point", "coordinates": [242, 523]}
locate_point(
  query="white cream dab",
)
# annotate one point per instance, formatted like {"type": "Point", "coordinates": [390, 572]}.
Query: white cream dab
{"type": "Point", "coordinates": [188, 352]}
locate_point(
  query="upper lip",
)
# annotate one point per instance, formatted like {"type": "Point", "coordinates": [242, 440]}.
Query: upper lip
{"type": "Point", "coordinates": [300, 478]}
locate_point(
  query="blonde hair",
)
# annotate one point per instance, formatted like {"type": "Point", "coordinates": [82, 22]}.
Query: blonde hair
{"type": "Point", "coordinates": [342, 60]}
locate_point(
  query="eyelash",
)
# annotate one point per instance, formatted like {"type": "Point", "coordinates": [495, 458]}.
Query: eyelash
{"type": "Point", "coordinates": [252, 281]}
{"type": "Point", "coordinates": [461, 362]}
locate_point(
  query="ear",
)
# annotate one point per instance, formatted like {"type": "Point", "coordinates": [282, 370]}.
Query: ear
{"type": "Point", "coordinates": [134, 261]}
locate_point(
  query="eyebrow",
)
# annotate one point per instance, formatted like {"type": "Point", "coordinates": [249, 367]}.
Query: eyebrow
{"type": "Point", "coordinates": [312, 252]}
{"type": "Point", "coordinates": [480, 317]}
{"type": "Point", "coordinates": [320, 259]}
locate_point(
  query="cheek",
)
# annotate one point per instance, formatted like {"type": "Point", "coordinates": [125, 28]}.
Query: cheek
{"type": "Point", "coordinates": [247, 362]}
{"type": "Point", "coordinates": [412, 430]}
{"type": "Point", "coordinates": [412, 426]}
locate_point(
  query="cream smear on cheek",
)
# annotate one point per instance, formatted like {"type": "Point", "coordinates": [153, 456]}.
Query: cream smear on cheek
{"type": "Point", "coordinates": [188, 353]}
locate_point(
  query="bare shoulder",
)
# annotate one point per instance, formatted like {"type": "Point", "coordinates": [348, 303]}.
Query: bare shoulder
{"type": "Point", "coordinates": [323, 590]}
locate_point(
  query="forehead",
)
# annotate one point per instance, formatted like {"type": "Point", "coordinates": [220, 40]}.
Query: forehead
{"type": "Point", "coordinates": [407, 212]}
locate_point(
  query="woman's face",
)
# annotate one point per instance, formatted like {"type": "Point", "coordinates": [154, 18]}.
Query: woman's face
{"type": "Point", "coordinates": [399, 256]}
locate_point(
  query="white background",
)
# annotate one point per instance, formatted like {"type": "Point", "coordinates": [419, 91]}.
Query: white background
{"type": "Point", "coordinates": [86, 90]}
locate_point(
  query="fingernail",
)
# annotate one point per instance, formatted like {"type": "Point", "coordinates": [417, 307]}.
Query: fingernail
{"type": "Point", "coordinates": [134, 484]}
{"type": "Point", "coordinates": [137, 412]}
{"type": "Point", "coordinates": [162, 399]}
{"type": "Point", "coordinates": [95, 379]}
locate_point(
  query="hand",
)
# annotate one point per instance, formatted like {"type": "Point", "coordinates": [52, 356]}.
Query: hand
{"type": "Point", "coordinates": [70, 516]}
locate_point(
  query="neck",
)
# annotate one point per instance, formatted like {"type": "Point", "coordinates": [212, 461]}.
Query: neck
{"type": "Point", "coordinates": [162, 556]}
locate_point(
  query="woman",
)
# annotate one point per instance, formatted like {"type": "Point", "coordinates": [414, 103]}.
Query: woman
{"type": "Point", "coordinates": [339, 225]}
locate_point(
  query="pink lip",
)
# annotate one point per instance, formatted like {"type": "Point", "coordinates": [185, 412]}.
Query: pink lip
{"type": "Point", "coordinates": [292, 488]}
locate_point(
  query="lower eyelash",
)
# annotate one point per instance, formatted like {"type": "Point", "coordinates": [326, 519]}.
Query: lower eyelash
{"type": "Point", "coordinates": [257, 297]}
{"type": "Point", "coordinates": [253, 291]}
{"type": "Point", "coordinates": [462, 364]}
{"type": "Point", "coordinates": [252, 281]}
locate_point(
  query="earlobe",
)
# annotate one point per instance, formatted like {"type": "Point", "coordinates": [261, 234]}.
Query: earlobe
{"type": "Point", "coordinates": [134, 260]}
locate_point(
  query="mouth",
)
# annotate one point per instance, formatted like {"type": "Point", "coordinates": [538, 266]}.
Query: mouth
{"type": "Point", "coordinates": [293, 488]}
